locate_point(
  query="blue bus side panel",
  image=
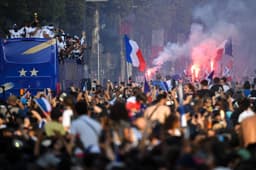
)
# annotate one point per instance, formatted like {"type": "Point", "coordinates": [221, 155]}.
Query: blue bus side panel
{"type": "Point", "coordinates": [28, 63]}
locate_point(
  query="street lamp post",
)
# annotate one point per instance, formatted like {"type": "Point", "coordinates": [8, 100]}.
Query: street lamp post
{"type": "Point", "coordinates": [97, 34]}
{"type": "Point", "coordinates": [98, 57]}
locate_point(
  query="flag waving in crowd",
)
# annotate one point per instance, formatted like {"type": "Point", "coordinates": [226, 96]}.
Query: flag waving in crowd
{"type": "Point", "coordinates": [134, 54]}
{"type": "Point", "coordinates": [228, 47]}
{"type": "Point", "coordinates": [146, 86]}
{"type": "Point", "coordinates": [225, 48]}
{"type": "Point", "coordinates": [209, 77]}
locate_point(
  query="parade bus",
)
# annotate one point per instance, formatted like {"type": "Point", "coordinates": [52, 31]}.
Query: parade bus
{"type": "Point", "coordinates": [28, 63]}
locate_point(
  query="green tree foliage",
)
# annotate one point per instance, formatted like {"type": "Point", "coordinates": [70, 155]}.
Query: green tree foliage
{"type": "Point", "coordinates": [12, 12]}
{"type": "Point", "coordinates": [66, 14]}
{"type": "Point", "coordinates": [73, 20]}
{"type": "Point", "coordinates": [49, 11]}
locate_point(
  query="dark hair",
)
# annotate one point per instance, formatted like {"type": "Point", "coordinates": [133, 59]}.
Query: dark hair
{"type": "Point", "coordinates": [81, 107]}
{"type": "Point", "coordinates": [215, 113]}
{"type": "Point", "coordinates": [170, 121]}
{"type": "Point", "coordinates": [244, 104]}
{"type": "Point", "coordinates": [141, 97]}
{"type": "Point", "coordinates": [118, 112]}
{"type": "Point", "coordinates": [230, 92]}
{"type": "Point", "coordinates": [161, 96]}
{"type": "Point", "coordinates": [57, 112]}
{"type": "Point", "coordinates": [204, 82]}
{"type": "Point", "coordinates": [224, 79]}
{"type": "Point", "coordinates": [136, 90]}
{"type": "Point", "coordinates": [191, 87]}
{"type": "Point", "coordinates": [216, 80]}
{"type": "Point", "coordinates": [247, 85]}
{"type": "Point", "coordinates": [69, 101]}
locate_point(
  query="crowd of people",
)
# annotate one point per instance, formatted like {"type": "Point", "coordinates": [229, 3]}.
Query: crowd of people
{"type": "Point", "coordinates": [69, 47]}
{"type": "Point", "coordinates": [205, 126]}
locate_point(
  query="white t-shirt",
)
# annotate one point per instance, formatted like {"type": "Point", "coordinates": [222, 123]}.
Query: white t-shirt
{"type": "Point", "coordinates": [83, 41]}
{"type": "Point", "coordinates": [245, 114]}
{"type": "Point", "coordinates": [37, 34]}
{"type": "Point", "coordinates": [30, 30]}
{"type": "Point", "coordinates": [66, 117]}
{"type": "Point", "coordinates": [60, 45]}
{"type": "Point", "coordinates": [225, 87]}
{"type": "Point", "coordinates": [25, 31]}
{"type": "Point", "coordinates": [15, 34]}
{"type": "Point", "coordinates": [45, 30]}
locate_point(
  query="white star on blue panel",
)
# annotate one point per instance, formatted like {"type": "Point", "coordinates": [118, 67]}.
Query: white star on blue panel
{"type": "Point", "coordinates": [34, 72]}
{"type": "Point", "coordinates": [22, 72]}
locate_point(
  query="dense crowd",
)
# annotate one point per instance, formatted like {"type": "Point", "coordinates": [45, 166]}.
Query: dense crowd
{"type": "Point", "coordinates": [69, 47]}
{"type": "Point", "coordinates": [204, 126]}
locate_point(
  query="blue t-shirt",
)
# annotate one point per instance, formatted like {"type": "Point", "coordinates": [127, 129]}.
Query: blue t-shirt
{"type": "Point", "coordinates": [247, 92]}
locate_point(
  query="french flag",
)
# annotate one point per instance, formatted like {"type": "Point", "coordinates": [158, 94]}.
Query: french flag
{"type": "Point", "coordinates": [44, 105]}
{"type": "Point", "coordinates": [134, 54]}
{"type": "Point", "coordinates": [224, 48]}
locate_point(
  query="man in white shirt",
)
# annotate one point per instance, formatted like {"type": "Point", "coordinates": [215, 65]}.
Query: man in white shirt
{"type": "Point", "coordinates": [24, 31]}
{"type": "Point", "coordinates": [247, 111]}
{"type": "Point", "coordinates": [47, 32]}
{"type": "Point", "coordinates": [35, 30]}
{"type": "Point", "coordinates": [68, 112]}
{"type": "Point", "coordinates": [15, 32]}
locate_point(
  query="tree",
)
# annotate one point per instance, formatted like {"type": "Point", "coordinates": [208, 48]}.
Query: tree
{"type": "Point", "coordinates": [66, 14]}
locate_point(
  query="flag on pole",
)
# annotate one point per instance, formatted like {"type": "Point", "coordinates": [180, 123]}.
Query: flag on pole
{"type": "Point", "coordinates": [224, 48]}
{"type": "Point", "coordinates": [226, 72]}
{"type": "Point", "coordinates": [220, 51]}
{"type": "Point", "coordinates": [44, 105]}
{"type": "Point", "coordinates": [134, 54]}
{"type": "Point", "coordinates": [209, 78]}
{"type": "Point", "coordinates": [146, 86]}
{"type": "Point", "coordinates": [228, 47]}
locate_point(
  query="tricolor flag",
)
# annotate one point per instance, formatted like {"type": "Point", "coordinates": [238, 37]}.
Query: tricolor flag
{"type": "Point", "coordinates": [44, 105]}
{"type": "Point", "coordinates": [224, 48]}
{"type": "Point", "coordinates": [134, 54]}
